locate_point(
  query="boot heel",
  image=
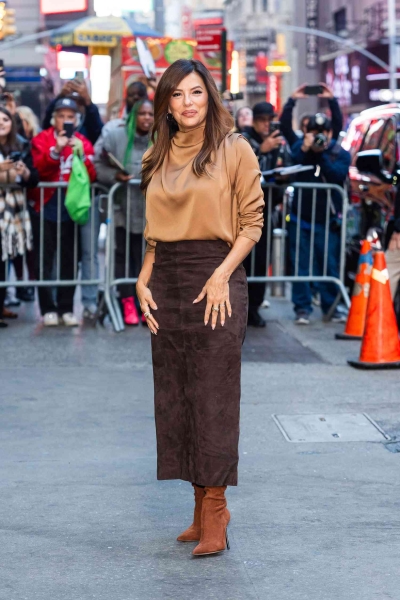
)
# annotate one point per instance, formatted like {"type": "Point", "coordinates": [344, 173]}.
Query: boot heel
{"type": "Point", "coordinates": [228, 547]}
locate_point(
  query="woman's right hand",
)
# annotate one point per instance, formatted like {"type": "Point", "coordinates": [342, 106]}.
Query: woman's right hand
{"type": "Point", "coordinates": [6, 165]}
{"type": "Point", "coordinates": [146, 304]}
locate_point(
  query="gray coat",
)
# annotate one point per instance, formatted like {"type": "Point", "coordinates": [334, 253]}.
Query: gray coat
{"type": "Point", "coordinates": [116, 142]}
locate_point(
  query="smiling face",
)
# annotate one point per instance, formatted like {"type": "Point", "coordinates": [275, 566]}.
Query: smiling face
{"type": "Point", "coordinates": [5, 125]}
{"type": "Point", "coordinates": [189, 102]}
{"type": "Point", "coordinates": [245, 117]}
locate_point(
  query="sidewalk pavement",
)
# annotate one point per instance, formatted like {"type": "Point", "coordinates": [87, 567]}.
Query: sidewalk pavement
{"type": "Point", "coordinates": [82, 515]}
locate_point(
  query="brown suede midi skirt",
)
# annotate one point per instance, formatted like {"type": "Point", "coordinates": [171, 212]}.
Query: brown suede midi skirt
{"type": "Point", "coordinates": [196, 370]}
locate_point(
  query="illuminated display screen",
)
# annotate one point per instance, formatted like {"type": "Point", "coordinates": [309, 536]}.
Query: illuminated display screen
{"type": "Point", "coordinates": [52, 7]}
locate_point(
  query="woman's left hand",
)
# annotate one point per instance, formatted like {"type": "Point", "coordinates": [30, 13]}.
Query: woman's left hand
{"type": "Point", "coordinates": [22, 170]}
{"type": "Point", "coordinates": [217, 291]}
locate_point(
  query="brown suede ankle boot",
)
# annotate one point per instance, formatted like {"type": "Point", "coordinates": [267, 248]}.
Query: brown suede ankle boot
{"type": "Point", "coordinates": [214, 522]}
{"type": "Point", "coordinates": [192, 534]}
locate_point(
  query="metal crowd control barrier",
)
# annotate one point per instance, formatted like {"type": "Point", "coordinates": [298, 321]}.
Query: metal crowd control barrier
{"type": "Point", "coordinates": [38, 220]}
{"type": "Point", "coordinates": [279, 275]}
{"type": "Point", "coordinates": [285, 205]}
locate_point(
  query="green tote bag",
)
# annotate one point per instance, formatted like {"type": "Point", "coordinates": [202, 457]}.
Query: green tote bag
{"type": "Point", "coordinates": [78, 199]}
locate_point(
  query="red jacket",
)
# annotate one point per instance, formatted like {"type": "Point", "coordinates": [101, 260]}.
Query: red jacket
{"type": "Point", "coordinates": [52, 168]}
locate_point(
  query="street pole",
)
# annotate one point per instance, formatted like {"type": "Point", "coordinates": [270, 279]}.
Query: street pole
{"type": "Point", "coordinates": [224, 73]}
{"type": "Point", "coordinates": [392, 46]}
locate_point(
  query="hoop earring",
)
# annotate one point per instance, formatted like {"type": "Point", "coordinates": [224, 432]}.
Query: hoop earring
{"type": "Point", "coordinates": [170, 117]}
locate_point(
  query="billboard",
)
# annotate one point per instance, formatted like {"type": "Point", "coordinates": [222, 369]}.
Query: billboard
{"type": "Point", "coordinates": [53, 7]}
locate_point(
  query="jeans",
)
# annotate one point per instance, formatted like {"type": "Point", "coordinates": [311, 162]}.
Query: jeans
{"type": "Point", "coordinates": [301, 291]}
{"type": "Point", "coordinates": [89, 236]}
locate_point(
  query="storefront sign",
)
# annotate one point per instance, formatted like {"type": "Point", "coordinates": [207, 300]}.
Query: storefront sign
{"type": "Point", "coordinates": [312, 40]}
{"type": "Point", "coordinates": [208, 40]}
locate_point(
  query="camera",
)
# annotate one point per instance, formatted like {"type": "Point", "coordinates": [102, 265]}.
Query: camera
{"type": "Point", "coordinates": [320, 140]}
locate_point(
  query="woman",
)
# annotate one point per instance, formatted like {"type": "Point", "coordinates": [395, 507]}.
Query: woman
{"type": "Point", "coordinates": [30, 122]}
{"type": "Point", "coordinates": [15, 225]}
{"type": "Point", "coordinates": [244, 118]}
{"type": "Point", "coordinates": [204, 206]}
{"type": "Point", "coordinates": [128, 143]}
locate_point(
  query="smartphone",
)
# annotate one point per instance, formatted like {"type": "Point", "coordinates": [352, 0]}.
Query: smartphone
{"type": "Point", "coordinates": [275, 126]}
{"type": "Point", "coordinates": [69, 129]}
{"type": "Point", "coordinates": [313, 90]}
{"type": "Point", "coordinates": [15, 156]}
{"type": "Point", "coordinates": [79, 76]}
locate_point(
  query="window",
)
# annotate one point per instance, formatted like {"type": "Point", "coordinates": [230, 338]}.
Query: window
{"type": "Point", "coordinates": [254, 6]}
{"type": "Point", "coordinates": [388, 147]}
{"type": "Point", "coordinates": [265, 5]}
{"type": "Point", "coordinates": [355, 137]}
{"type": "Point", "coordinates": [340, 19]}
{"type": "Point", "coordinates": [374, 134]}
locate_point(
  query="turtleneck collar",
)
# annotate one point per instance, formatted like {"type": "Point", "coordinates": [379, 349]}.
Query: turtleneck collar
{"type": "Point", "coordinates": [189, 138]}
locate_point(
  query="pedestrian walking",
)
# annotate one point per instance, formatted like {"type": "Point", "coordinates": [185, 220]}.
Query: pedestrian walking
{"type": "Point", "coordinates": [204, 213]}
{"type": "Point", "coordinates": [127, 143]}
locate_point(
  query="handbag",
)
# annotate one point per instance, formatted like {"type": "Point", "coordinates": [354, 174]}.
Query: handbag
{"type": "Point", "coordinates": [78, 197]}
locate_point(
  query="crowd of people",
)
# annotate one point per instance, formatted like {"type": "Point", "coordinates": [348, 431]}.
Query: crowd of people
{"type": "Point", "coordinates": [113, 152]}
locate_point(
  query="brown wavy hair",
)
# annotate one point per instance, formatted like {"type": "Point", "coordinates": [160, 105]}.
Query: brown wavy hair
{"type": "Point", "coordinates": [218, 120]}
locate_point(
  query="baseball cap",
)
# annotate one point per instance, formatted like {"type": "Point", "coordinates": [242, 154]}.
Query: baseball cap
{"type": "Point", "coordinates": [263, 109]}
{"type": "Point", "coordinates": [66, 103]}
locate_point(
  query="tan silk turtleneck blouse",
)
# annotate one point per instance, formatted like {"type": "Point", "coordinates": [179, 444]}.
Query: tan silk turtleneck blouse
{"type": "Point", "coordinates": [221, 206]}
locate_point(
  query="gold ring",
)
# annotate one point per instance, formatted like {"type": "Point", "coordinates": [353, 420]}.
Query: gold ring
{"type": "Point", "coordinates": [146, 314]}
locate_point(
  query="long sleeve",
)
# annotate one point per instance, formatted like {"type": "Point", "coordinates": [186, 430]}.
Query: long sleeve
{"type": "Point", "coordinates": [92, 124]}
{"type": "Point", "coordinates": [49, 113]}
{"type": "Point", "coordinates": [249, 193]}
{"type": "Point", "coordinates": [337, 118]}
{"type": "Point", "coordinates": [286, 119]}
{"type": "Point", "coordinates": [336, 171]}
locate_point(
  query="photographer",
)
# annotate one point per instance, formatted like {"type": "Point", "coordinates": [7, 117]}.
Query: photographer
{"type": "Point", "coordinates": [52, 152]}
{"type": "Point", "coordinates": [330, 164]}
{"type": "Point", "coordinates": [271, 150]}
{"type": "Point", "coordinates": [16, 169]}
{"type": "Point", "coordinates": [287, 113]}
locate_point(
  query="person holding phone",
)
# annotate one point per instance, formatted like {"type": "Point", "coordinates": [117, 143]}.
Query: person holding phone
{"type": "Point", "coordinates": [52, 152]}
{"type": "Point", "coordinates": [90, 123]}
{"type": "Point", "coordinates": [269, 146]}
{"type": "Point", "coordinates": [16, 170]}
{"type": "Point", "coordinates": [125, 146]}
{"type": "Point", "coordinates": [322, 91]}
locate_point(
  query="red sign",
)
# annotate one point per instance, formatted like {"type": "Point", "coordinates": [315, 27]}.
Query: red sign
{"type": "Point", "coordinates": [208, 40]}
{"type": "Point", "coordinates": [53, 7]}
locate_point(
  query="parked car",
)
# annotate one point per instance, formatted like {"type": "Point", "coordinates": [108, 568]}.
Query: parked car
{"type": "Point", "coordinates": [373, 141]}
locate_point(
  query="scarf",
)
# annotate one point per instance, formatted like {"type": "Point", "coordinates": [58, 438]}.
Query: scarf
{"type": "Point", "coordinates": [15, 224]}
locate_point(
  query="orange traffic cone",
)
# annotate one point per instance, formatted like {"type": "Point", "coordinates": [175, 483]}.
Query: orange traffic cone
{"type": "Point", "coordinates": [358, 311]}
{"type": "Point", "coordinates": [380, 347]}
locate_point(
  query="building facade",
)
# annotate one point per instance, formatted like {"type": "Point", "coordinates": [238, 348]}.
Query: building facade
{"type": "Point", "coordinates": [358, 82]}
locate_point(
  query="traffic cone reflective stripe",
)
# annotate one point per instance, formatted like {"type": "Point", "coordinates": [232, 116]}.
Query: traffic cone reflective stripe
{"type": "Point", "coordinates": [358, 311]}
{"type": "Point", "coordinates": [380, 347]}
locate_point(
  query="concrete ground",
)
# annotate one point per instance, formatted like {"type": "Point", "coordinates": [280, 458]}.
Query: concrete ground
{"type": "Point", "coordinates": [82, 515]}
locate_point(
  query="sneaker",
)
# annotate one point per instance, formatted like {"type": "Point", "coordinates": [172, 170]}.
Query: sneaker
{"type": "Point", "coordinates": [131, 316]}
{"type": "Point", "coordinates": [70, 320]}
{"type": "Point", "coordinates": [265, 304]}
{"type": "Point", "coordinates": [26, 294]}
{"type": "Point", "coordinates": [90, 313]}
{"type": "Point", "coordinates": [11, 300]}
{"type": "Point", "coordinates": [302, 318]}
{"type": "Point", "coordinates": [338, 317]}
{"type": "Point", "coordinates": [254, 319]}
{"type": "Point", "coordinates": [50, 319]}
